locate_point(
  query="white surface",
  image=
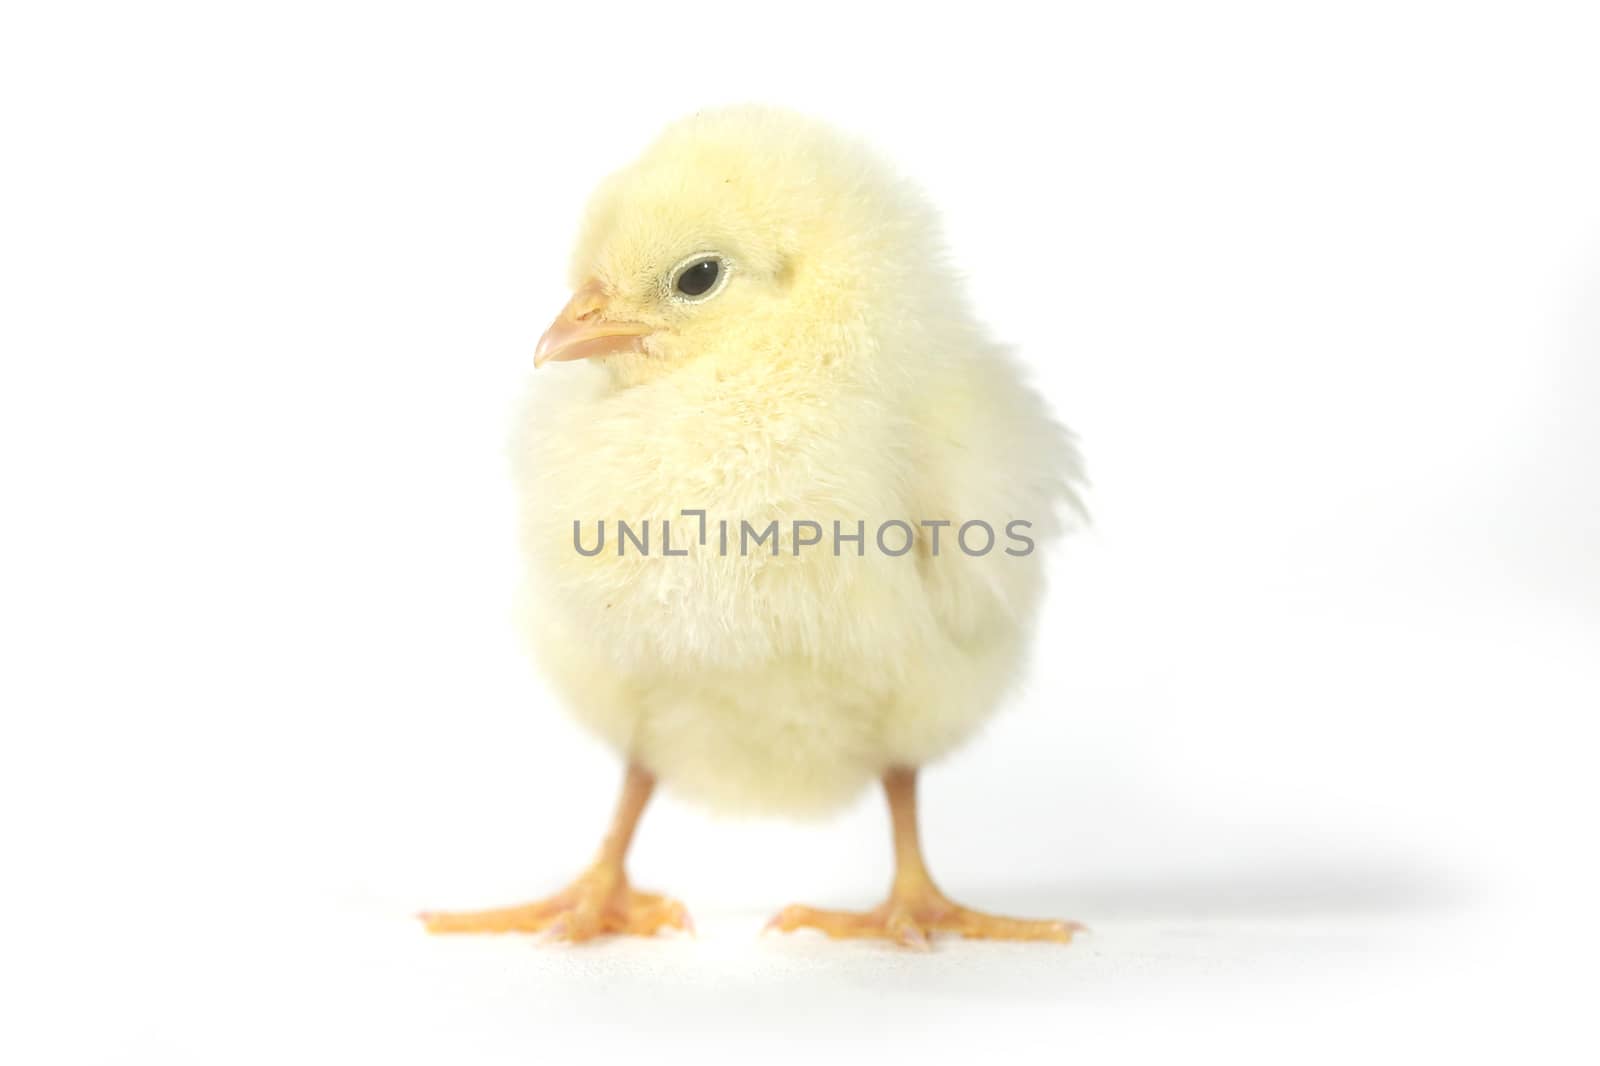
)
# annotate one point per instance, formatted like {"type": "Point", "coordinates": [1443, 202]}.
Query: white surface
{"type": "Point", "coordinates": [368, 991]}
{"type": "Point", "coordinates": [1310, 737]}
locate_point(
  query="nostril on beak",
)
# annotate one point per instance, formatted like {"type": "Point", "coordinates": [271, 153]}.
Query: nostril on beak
{"type": "Point", "coordinates": [587, 302]}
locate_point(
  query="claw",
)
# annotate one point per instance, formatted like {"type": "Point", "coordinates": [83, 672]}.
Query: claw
{"type": "Point", "coordinates": [785, 919]}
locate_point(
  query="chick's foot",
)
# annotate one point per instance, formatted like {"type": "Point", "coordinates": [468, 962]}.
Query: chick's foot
{"type": "Point", "coordinates": [910, 919]}
{"type": "Point", "coordinates": [599, 902]}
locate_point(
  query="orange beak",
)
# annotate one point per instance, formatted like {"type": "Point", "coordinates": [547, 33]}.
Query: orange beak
{"type": "Point", "coordinates": [581, 331]}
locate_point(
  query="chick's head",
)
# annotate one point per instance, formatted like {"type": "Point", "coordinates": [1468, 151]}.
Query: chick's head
{"type": "Point", "coordinates": [743, 236]}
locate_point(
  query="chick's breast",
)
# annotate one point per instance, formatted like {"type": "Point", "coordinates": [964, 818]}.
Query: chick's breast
{"type": "Point", "coordinates": [784, 683]}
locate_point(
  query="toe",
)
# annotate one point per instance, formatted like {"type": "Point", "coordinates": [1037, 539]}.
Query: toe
{"type": "Point", "coordinates": [791, 918]}
{"type": "Point", "coordinates": [526, 918]}
{"type": "Point", "coordinates": [798, 916]}
{"type": "Point", "coordinates": [976, 925]}
{"type": "Point", "coordinates": [652, 914]}
{"type": "Point", "coordinates": [905, 930]}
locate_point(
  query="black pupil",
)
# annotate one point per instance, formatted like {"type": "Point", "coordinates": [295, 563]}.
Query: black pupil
{"type": "Point", "coordinates": [698, 278]}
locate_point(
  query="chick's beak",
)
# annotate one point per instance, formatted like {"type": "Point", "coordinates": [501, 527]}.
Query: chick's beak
{"type": "Point", "coordinates": [582, 331]}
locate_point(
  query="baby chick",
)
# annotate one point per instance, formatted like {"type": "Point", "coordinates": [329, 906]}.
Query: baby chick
{"type": "Point", "coordinates": [765, 330]}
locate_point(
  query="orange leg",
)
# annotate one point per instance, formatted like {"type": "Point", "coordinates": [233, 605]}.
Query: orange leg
{"type": "Point", "coordinates": [915, 907]}
{"type": "Point", "coordinates": [600, 901]}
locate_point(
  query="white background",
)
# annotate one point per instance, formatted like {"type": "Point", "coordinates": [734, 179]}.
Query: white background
{"type": "Point", "coordinates": [1309, 739]}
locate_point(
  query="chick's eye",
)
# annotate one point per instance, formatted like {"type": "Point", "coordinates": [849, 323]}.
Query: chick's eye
{"type": "Point", "coordinates": [697, 278]}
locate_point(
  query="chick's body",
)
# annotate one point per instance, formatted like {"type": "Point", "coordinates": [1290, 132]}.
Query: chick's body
{"type": "Point", "coordinates": [838, 377]}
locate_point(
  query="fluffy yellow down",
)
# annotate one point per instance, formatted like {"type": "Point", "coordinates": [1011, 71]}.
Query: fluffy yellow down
{"type": "Point", "coordinates": [838, 375]}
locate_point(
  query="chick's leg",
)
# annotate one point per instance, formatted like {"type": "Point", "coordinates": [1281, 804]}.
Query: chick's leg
{"type": "Point", "coordinates": [915, 907]}
{"type": "Point", "coordinates": [600, 901]}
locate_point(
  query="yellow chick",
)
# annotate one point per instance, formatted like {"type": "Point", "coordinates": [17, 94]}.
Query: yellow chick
{"type": "Point", "coordinates": [785, 502]}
